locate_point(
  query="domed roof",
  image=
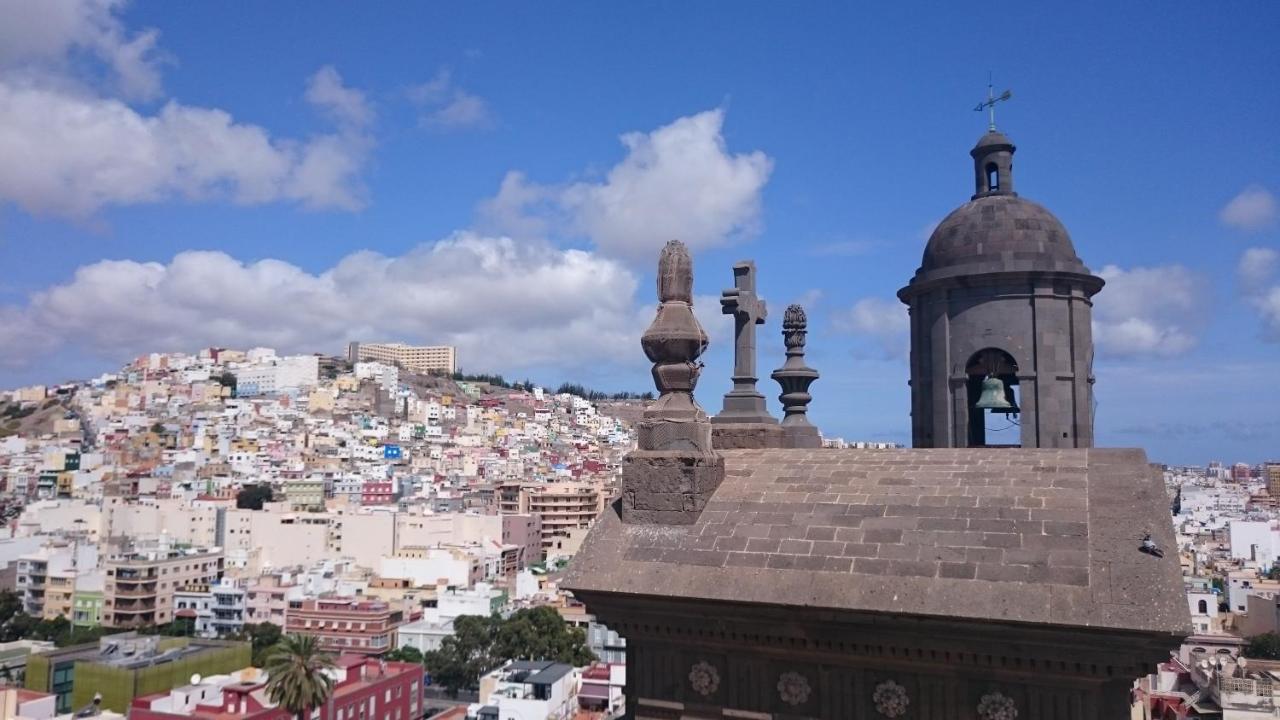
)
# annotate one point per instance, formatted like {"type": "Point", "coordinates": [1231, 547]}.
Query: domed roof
{"type": "Point", "coordinates": [998, 233]}
{"type": "Point", "coordinates": [993, 137]}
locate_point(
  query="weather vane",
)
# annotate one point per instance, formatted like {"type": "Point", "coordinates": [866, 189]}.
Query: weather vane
{"type": "Point", "coordinates": [990, 103]}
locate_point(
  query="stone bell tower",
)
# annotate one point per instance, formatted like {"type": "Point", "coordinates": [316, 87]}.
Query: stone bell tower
{"type": "Point", "coordinates": [1001, 294]}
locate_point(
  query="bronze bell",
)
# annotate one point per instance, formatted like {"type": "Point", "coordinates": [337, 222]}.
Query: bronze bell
{"type": "Point", "coordinates": [995, 397]}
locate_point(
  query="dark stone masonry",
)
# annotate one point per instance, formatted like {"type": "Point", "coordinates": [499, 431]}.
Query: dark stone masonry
{"type": "Point", "coordinates": [756, 574]}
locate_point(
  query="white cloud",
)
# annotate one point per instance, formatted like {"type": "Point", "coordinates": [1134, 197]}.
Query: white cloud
{"type": "Point", "coordinates": [71, 155]}
{"type": "Point", "coordinates": [43, 38]}
{"type": "Point", "coordinates": [1148, 311]}
{"type": "Point", "coordinates": [1257, 270]}
{"type": "Point", "coordinates": [447, 106]}
{"type": "Point", "coordinates": [886, 322]}
{"type": "Point", "coordinates": [72, 144]}
{"type": "Point", "coordinates": [1254, 208]}
{"type": "Point", "coordinates": [347, 105]}
{"type": "Point", "coordinates": [809, 299]}
{"type": "Point", "coordinates": [1257, 266]}
{"type": "Point", "coordinates": [678, 181]}
{"type": "Point", "coordinates": [506, 305]}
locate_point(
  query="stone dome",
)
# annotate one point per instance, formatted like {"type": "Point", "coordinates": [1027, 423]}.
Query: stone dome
{"type": "Point", "coordinates": [1000, 232]}
{"type": "Point", "coordinates": [997, 231]}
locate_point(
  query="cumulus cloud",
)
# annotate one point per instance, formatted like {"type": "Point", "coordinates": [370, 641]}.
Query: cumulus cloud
{"type": "Point", "coordinates": [71, 155]}
{"type": "Point", "coordinates": [45, 37]}
{"type": "Point", "coordinates": [71, 151]}
{"type": "Point", "coordinates": [678, 181]}
{"type": "Point", "coordinates": [1258, 281]}
{"type": "Point", "coordinates": [445, 106]}
{"type": "Point", "coordinates": [1254, 208]}
{"type": "Point", "coordinates": [506, 305]}
{"type": "Point", "coordinates": [1148, 311]}
{"type": "Point", "coordinates": [347, 105]}
{"type": "Point", "coordinates": [885, 322]}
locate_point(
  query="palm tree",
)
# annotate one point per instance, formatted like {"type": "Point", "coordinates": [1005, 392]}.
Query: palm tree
{"type": "Point", "coordinates": [297, 680]}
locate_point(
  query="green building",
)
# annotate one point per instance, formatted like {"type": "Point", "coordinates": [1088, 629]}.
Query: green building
{"type": "Point", "coordinates": [306, 494]}
{"type": "Point", "coordinates": [127, 665]}
{"type": "Point", "coordinates": [86, 608]}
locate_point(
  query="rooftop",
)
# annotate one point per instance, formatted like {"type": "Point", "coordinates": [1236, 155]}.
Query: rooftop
{"type": "Point", "coordinates": [1012, 535]}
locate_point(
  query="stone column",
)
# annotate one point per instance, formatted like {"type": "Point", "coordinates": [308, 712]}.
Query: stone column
{"type": "Point", "coordinates": [674, 471]}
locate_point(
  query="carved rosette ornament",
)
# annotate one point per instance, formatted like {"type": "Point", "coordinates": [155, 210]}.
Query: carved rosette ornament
{"type": "Point", "coordinates": [793, 688]}
{"type": "Point", "coordinates": [704, 679]}
{"type": "Point", "coordinates": [675, 339]}
{"type": "Point", "coordinates": [891, 699]}
{"type": "Point", "coordinates": [997, 706]}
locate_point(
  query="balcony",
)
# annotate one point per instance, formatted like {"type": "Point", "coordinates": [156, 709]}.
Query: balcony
{"type": "Point", "coordinates": [135, 607]}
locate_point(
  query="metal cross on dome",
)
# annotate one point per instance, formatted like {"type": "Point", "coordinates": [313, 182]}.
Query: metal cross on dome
{"type": "Point", "coordinates": [990, 103]}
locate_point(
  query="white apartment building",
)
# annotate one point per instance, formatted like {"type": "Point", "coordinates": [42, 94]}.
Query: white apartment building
{"type": "Point", "coordinates": [215, 610]}
{"type": "Point", "coordinates": [276, 375]}
{"type": "Point", "coordinates": [530, 689]}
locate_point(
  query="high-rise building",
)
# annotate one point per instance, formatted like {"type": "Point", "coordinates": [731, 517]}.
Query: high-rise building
{"type": "Point", "coordinates": [559, 507]}
{"type": "Point", "coordinates": [419, 358]}
{"type": "Point", "coordinates": [1271, 473]}
{"type": "Point", "coordinates": [139, 587]}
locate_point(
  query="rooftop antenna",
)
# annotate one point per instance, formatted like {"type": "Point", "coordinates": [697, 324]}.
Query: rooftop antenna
{"type": "Point", "coordinates": [990, 103]}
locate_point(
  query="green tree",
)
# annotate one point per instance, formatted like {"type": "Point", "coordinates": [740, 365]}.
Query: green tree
{"type": "Point", "coordinates": [263, 637]}
{"type": "Point", "coordinates": [465, 655]}
{"type": "Point", "coordinates": [296, 675]}
{"type": "Point", "coordinates": [12, 620]}
{"type": "Point", "coordinates": [408, 654]}
{"type": "Point", "coordinates": [542, 634]}
{"type": "Point", "coordinates": [1263, 647]}
{"type": "Point", "coordinates": [480, 644]}
{"type": "Point", "coordinates": [251, 497]}
{"type": "Point", "coordinates": [228, 379]}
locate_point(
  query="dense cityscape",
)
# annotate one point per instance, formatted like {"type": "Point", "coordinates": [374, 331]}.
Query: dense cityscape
{"type": "Point", "coordinates": [190, 510]}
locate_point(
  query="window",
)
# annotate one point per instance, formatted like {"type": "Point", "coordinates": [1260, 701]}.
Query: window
{"type": "Point", "coordinates": [993, 177]}
{"type": "Point", "coordinates": [1204, 608]}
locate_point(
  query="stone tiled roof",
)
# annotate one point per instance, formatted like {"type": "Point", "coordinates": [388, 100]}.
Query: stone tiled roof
{"type": "Point", "coordinates": [999, 233]}
{"type": "Point", "coordinates": [1045, 536]}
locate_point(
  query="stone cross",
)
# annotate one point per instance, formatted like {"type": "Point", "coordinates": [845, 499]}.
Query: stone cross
{"type": "Point", "coordinates": [744, 404]}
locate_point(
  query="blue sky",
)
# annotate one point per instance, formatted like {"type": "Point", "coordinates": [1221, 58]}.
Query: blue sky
{"type": "Point", "coordinates": [500, 177]}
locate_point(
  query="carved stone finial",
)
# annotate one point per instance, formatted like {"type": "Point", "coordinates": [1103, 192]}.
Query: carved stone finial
{"type": "Point", "coordinates": [675, 339]}
{"type": "Point", "coordinates": [674, 471]}
{"type": "Point", "coordinates": [675, 273]}
{"type": "Point", "coordinates": [795, 377]}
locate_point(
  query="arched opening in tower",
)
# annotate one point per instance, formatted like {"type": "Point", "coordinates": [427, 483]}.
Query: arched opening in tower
{"type": "Point", "coordinates": [993, 427]}
{"type": "Point", "coordinates": [993, 177]}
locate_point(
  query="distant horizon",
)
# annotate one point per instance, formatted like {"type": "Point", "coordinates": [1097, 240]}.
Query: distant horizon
{"type": "Point", "coordinates": [610, 390]}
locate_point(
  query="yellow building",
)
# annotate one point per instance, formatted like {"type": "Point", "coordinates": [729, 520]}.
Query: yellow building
{"type": "Point", "coordinates": [422, 358]}
{"type": "Point", "coordinates": [321, 399]}
{"type": "Point", "coordinates": [1271, 473]}
{"type": "Point", "coordinates": [59, 591]}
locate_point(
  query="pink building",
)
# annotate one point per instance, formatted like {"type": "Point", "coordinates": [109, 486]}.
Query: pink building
{"type": "Point", "coordinates": [344, 624]}
{"type": "Point", "coordinates": [364, 688]}
{"type": "Point", "coordinates": [268, 601]}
